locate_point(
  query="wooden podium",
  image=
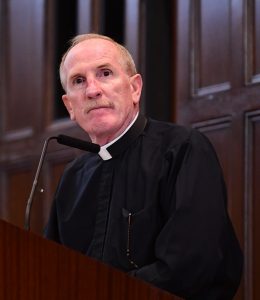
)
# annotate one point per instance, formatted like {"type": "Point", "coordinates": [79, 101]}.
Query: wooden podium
{"type": "Point", "coordinates": [34, 268]}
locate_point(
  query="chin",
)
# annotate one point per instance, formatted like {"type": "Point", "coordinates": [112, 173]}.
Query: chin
{"type": "Point", "coordinates": [102, 123]}
{"type": "Point", "coordinates": [102, 127]}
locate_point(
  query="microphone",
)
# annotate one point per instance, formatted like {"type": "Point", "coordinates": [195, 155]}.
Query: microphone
{"type": "Point", "coordinates": [76, 143]}
{"type": "Point", "coordinates": [64, 140]}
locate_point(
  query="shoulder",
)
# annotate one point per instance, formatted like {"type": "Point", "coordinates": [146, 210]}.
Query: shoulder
{"type": "Point", "coordinates": [171, 133]}
{"type": "Point", "coordinates": [173, 137]}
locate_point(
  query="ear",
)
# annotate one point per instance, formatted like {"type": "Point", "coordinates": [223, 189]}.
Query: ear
{"type": "Point", "coordinates": [69, 107]}
{"type": "Point", "coordinates": [136, 85]}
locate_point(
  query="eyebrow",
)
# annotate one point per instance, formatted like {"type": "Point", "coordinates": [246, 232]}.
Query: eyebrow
{"type": "Point", "coordinates": [73, 76]}
{"type": "Point", "coordinates": [101, 66]}
{"type": "Point", "coordinates": [106, 65]}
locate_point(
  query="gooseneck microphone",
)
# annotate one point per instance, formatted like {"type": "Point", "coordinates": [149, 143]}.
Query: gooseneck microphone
{"type": "Point", "coordinates": [64, 140]}
{"type": "Point", "coordinates": [76, 143]}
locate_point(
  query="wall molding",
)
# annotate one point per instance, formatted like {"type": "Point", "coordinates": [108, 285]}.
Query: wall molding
{"type": "Point", "coordinates": [251, 118]}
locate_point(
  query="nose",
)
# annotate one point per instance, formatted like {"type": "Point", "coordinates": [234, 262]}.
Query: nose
{"type": "Point", "coordinates": [93, 90]}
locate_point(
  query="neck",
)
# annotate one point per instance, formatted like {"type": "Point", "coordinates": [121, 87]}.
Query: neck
{"type": "Point", "coordinates": [107, 138]}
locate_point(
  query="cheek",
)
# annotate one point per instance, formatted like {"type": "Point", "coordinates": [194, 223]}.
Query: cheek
{"type": "Point", "coordinates": [76, 111]}
{"type": "Point", "coordinates": [77, 102]}
{"type": "Point", "coordinates": [124, 96]}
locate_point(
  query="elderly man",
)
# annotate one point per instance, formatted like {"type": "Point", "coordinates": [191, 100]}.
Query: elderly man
{"type": "Point", "coordinates": [153, 202]}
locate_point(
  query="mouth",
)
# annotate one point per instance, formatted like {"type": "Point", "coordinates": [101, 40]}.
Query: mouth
{"type": "Point", "coordinates": [98, 107]}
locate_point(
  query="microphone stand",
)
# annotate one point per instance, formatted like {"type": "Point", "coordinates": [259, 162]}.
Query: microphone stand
{"type": "Point", "coordinates": [35, 182]}
{"type": "Point", "coordinates": [64, 140]}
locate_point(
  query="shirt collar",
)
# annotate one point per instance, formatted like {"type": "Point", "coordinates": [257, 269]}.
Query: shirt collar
{"type": "Point", "coordinates": [120, 143]}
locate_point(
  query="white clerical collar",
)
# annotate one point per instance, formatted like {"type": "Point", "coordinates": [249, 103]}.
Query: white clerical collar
{"type": "Point", "coordinates": [104, 153]}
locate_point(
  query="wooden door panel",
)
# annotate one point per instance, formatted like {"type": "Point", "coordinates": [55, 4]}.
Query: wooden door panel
{"type": "Point", "coordinates": [252, 41]}
{"type": "Point", "coordinates": [217, 91]}
{"type": "Point", "coordinates": [22, 64]}
{"type": "Point", "coordinates": [210, 46]}
{"type": "Point", "coordinates": [252, 204]}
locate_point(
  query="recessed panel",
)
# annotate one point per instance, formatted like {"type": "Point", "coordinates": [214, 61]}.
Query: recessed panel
{"type": "Point", "coordinates": [252, 204]}
{"type": "Point", "coordinates": [211, 42]}
{"type": "Point", "coordinates": [22, 63]}
{"type": "Point", "coordinates": [18, 184]}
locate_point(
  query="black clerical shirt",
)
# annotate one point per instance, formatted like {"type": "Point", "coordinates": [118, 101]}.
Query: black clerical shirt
{"type": "Point", "coordinates": [156, 209]}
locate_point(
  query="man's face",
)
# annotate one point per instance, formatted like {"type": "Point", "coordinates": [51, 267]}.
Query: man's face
{"type": "Point", "coordinates": [100, 96]}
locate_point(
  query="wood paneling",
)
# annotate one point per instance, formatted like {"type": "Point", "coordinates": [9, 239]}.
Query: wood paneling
{"type": "Point", "coordinates": [252, 41]}
{"type": "Point", "coordinates": [210, 46]}
{"type": "Point", "coordinates": [215, 87]}
{"type": "Point", "coordinates": [252, 207]}
{"type": "Point", "coordinates": [22, 84]}
{"type": "Point", "coordinates": [217, 91]}
{"type": "Point", "coordinates": [27, 78]}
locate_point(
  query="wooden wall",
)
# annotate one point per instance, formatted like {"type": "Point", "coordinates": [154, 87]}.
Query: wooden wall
{"type": "Point", "coordinates": [211, 82]}
{"type": "Point", "coordinates": [217, 90]}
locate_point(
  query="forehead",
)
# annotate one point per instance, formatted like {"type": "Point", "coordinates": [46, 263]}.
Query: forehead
{"type": "Point", "coordinates": [93, 51]}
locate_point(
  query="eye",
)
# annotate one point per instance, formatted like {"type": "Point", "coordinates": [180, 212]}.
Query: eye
{"type": "Point", "coordinates": [78, 80]}
{"type": "Point", "coordinates": [104, 73]}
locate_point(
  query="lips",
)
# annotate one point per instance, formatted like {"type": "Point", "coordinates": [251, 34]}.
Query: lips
{"type": "Point", "coordinates": [94, 106]}
{"type": "Point", "coordinates": [98, 107]}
